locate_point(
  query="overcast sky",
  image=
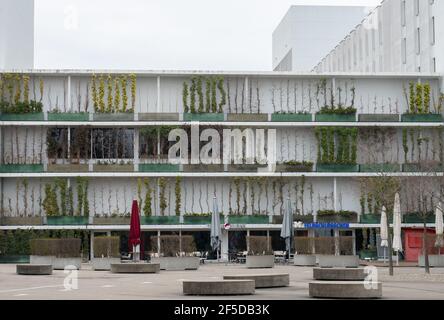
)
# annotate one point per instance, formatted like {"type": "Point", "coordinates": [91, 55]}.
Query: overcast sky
{"type": "Point", "coordinates": [161, 34]}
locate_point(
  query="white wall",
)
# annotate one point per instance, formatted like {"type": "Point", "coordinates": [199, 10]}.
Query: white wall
{"type": "Point", "coordinates": [310, 32]}
{"type": "Point", "coordinates": [16, 34]}
{"type": "Point", "coordinates": [381, 38]}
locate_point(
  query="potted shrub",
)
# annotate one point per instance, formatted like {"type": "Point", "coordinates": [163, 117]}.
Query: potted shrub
{"type": "Point", "coordinates": [260, 254]}
{"type": "Point", "coordinates": [197, 218]}
{"type": "Point", "coordinates": [370, 218]}
{"type": "Point", "coordinates": [57, 252]}
{"type": "Point", "coordinates": [176, 253]}
{"type": "Point", "coordinates": [204, 117]}
{"type": "Point", "coordinates": [419, 105]}
{"type": "Point", "coordinates": [295, 166]}
{"type": "Point", "coordinates": [245, 167]}
{"type": "Point", "coordinates": [203, 168]}
{"type": "Point", "coordinates": [113, 220]}
{"type": "Point", "coordinates": [336, 114]}
{"type": "Point", "coordinates": [158, 167]}
{"type": "Point", "coordinates": [337, 216]}
{"type": "Point", "coordinates": [106, 252]}
{"type": "Point", "coordinates": [68, 116]}
{"type": "Point", "coordinates": [415, 217]}
{"type": "Point", "coordinates": [111, 117]}
{"type": "Point", "coordinates": [14, 246]}
{"type": "Point", "coordinates": [337, 167]}
{"type": "Point", "coordinates": [291, 117]}
{"type": "Point", "coordinates": [113, 166]}
{"type": "Point", "coordinates": [21, 221]}
{"type": "Point", "coordinates": [67, 220]}
{"type": "Point", "coordinates": [247, 117]}
{"type": "Point", "coordinates": [378, 117]}
{"type": "Point", "coordinates": [72, 167]}
{"type": "Point", "coordinates": [21, 168]}
{"type": "Point", "coordinates": [380, 167]}
{"type": "Point", "coordinates": [304, 252]}
{"type": "Point", "coordinates": [249, 219]}
{"type": "Point", "coordinates": [164, 116]}
{"type": "Point", "coordinates": [160, 220]}
{"type": "Point", "coordinates": [304, 218]}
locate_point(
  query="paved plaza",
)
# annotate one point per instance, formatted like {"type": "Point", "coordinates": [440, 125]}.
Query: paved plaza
{"type": "Point", "coordinates": [408, 283]}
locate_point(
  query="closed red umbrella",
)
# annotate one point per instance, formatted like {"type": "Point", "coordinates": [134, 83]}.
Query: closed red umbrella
{"type": "Point", "coordinates": [134, 235]}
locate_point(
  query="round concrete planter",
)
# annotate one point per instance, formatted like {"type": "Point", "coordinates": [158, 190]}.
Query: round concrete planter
{"type": "Point", "coordinates": [219, 288]}
{"type": "Point", "coordinates": [339, 274]}
{"type": "Point", "coordinates": [331, 261]}
{"type": "Point", "coordinates": [264, 280]}
{"type": "Point", "coordinates": [304, 260]}
{"type": "Point", "coordinates": [103, 264]}
{"type": "Point", "coordinates": [258, 262]}
{"type": "Point", "coordinates": [57, 263]}
{"type": "Point", "coordinates": [345, 290]}
{"type": "Point", "coordinates": [177, 263]}
{"type": "Point", "coordinates": [34, 270]}
{"type": "Point", "coordinates": [135, 267]}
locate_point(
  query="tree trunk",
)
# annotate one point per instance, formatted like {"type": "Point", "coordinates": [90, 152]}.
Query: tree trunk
{"type": "Point", "coordinates": [390, 249]}
{"type": "Point", "coordinates": [425, 248]}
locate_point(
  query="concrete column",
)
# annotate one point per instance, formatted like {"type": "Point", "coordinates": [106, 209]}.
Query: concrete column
{"type": "Point", "coordinates": [68, 98]}
{"type": "Point", "coordinates": [248, 240]}
{"type": "Point", "coordinates": [180, 243]}
{"type": "Point", "coordinates": [336, 236]}
{"type": "Point", "coordinates": [136, 148]}
{"type": "Point", "coordinates": [69, 143]}
{"type": "Point", "coordinates": [2, 144]}
{"type": "Point", "coordinates": [335, 206]}
{"type": "Point", "coordinates": [159, 107]}
{"type": "Point", "coordinates": [224, 246]}
{"type": "Point", "coordinates": [354, 241]}
{"type": "Point", "coordinates": [158, 242]}
{"type": "Point", "coordinates": [91, 251]}
{"type": "Point", "coordinates": [246, 93]}
{"type": "Point", "coordinates": [311, 234]}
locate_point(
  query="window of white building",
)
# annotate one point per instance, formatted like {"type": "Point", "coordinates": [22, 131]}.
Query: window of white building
{"type": "Point", "coordinates": [433, 31]}
{"type": "Point", "coordinates": [404, 51]}
{"type": "Point", "coordinates": [418, 40]}
{"type": "Point", "coordinates": [403, 17]}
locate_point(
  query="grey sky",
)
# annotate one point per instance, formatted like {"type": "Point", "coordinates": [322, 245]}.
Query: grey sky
{"type": "Point", "coordinates": [161, 34]}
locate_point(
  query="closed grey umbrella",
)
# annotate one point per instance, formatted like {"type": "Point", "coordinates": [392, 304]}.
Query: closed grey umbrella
{"type": "Point", "coordinates": [287, 231]}
{"type": "Point", "coordinates": [215, 227]}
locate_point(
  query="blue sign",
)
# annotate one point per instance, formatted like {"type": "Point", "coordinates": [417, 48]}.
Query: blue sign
{"type": "Point", "coordinates": [327, 225]}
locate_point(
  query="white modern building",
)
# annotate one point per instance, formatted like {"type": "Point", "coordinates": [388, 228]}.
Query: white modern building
{"type": "Point", "coordinates": [17, 28]}
{"type": "Point", "coordinates": [307, 33]}
{"type": "Point", "coordinates": [77, 146]}
{"type": "Point", "coordinates": [398, 36]}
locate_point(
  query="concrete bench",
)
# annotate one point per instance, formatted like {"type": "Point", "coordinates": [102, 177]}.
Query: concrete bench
{"type": "Point", "coordinates": [339, 274]}
{"type": "Point", "coordinates": [34, 269]}
{"type": "Point", "coordinates": [264, 280]}
{"type": "Point", "coordinates": [344, 290]}
{"type": "Point", "coordinates": [219, 287]}
{"type": "Point", "coordinates": [135, 267]}
{"type": "Point", "coordinates": [304, 260]}
{"type": "Point", "coordinates": [259, 262]}
{"type": "Point", "coordinates": [57, 263]}
{"type": "Point", "coordinates": [177, 263]}
{"type": "Point", "coordinates": [331, 261]}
